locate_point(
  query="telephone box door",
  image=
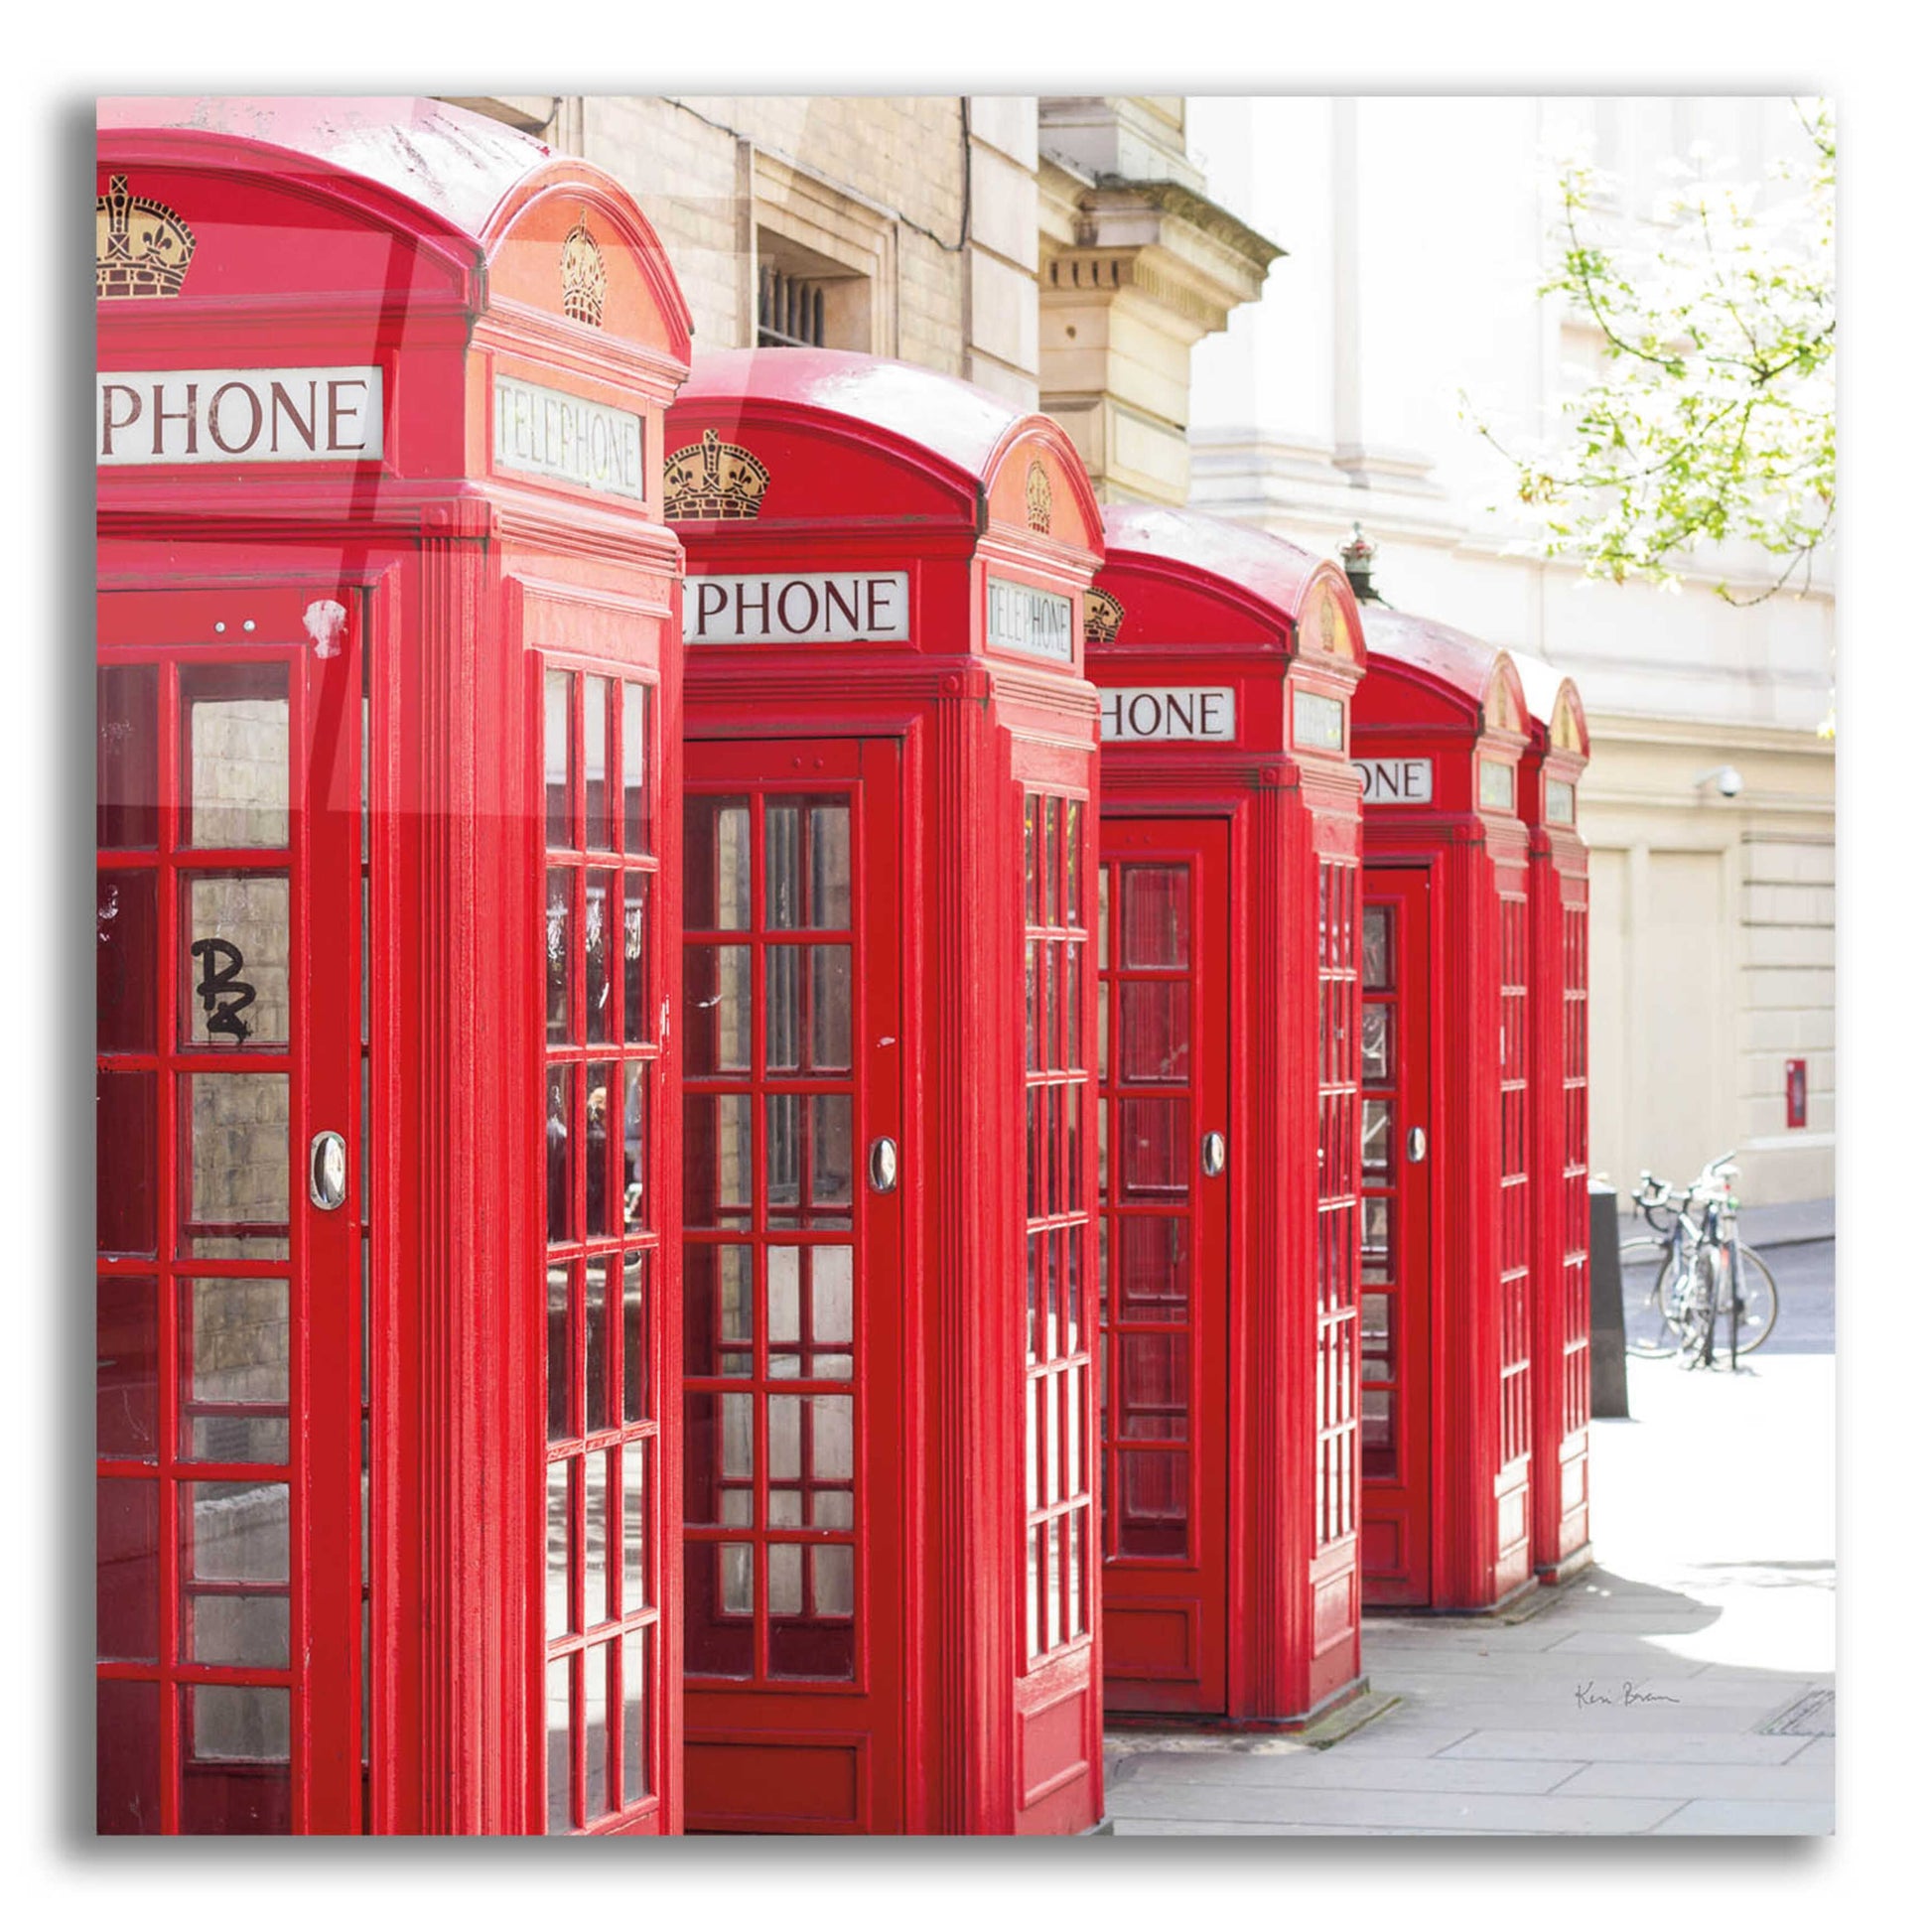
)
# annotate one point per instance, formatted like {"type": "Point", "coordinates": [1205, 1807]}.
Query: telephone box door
{"type": "Point", "coordinates": [793, 1361]}
{"type": "Point", "coordinates": [230, 1212]}
{"type": "Point", "coordinates": [1164, 1191]}
{"type": "Point", "coordinates": [1396, 1162]}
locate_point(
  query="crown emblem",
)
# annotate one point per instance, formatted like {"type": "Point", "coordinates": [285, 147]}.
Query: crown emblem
{"type": "Point", "coordinates": [1331, 638]}
{"type": "Point", "coordinates": [583, 274]}
{"type": "Point", "coordinates": [140, 247]}
{"type": "Point", "coordinates": [710, 478]}
{"type": "Point", "coordinates": [1104, 615]}
{"type": "Point", "coordinates": [1040, 497]}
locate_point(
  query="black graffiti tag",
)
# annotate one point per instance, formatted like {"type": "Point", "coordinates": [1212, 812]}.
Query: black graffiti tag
{"type": "Point", "coordinates": [223, 994]}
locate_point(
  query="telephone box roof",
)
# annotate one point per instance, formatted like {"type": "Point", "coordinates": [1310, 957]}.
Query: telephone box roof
{"type": "Point", "coordinates": [1462, 665]}
{"type": "Point", "coordinates": [1548, 692]}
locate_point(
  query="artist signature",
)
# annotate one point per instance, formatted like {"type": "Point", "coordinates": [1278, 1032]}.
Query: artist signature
{"type": "Point", "coordinates": [1589, 1694]}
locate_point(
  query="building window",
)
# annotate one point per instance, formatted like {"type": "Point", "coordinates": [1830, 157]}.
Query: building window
{"type": "Point", "coordinates": [791, 309]}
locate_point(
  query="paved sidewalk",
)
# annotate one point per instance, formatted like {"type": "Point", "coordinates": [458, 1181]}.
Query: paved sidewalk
{"type": "Point", "coordinates": [1683, 1686]}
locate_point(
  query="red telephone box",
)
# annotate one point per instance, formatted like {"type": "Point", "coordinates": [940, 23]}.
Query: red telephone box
{"type": "Point", "coordinates": [1230, 851]}
{"type": "Point", "coordinates": [388, 757]}
{"type": "Point", "coordinates": [1558, 750]}
{"type": "Point", "coordinates": [890, 1294]}
{"type": "Point", "coordinates": [1439, 725]}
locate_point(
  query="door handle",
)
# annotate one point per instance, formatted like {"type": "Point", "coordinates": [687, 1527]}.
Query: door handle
{"type": "Point", "coordinates": [327, 1170]}
{"type": "Point", "coordinates": [1213, 1155]}
{"type": "Point", "coordinates": [883, 1167]}
{"type": "Point", "coordinates": [1417, 1144]}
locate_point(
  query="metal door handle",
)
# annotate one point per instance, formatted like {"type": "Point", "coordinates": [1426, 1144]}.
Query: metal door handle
{"type": "Point", "coordinates": [883, 1167]}
{"type": "Point", "coordinates": [1213, 1155]}
{"type": "Point", "coordinates": [327, 1170]}
{"type": "Point", "coordinates": [1417, 1144]}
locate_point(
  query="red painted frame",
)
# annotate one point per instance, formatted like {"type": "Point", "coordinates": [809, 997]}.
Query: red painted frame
{"type": "Point", "coordinates": [1435, 694]}
{"type": "Point", "coordinates": [1188, 600]}
{"type": "Point", "coordinates": [1558, 919]}
{"type": "Point", "coordinates": [428, 242]}
{"type": "Point", "coordinates": [879, 467]}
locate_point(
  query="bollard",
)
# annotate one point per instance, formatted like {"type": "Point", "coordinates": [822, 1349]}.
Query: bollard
{"type": "Point", "coordinates": [1610, 1394]}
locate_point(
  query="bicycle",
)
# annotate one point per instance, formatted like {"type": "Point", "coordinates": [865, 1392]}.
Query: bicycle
{"type": "Point", "coordinates": [1703, 1280]}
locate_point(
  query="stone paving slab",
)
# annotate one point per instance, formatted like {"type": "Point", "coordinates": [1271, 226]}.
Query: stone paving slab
{"type": "Point", "coordinates": [1786, 1783]}
{"type": "Point", "coordinates": [1685, 1747]}
{"type": "Point", "coordinates": [1759, 1817]}
{"type": "Point", "coordinates": [1504, 1775]}
{"type": "Point", "coordinates": [1390, 1811]}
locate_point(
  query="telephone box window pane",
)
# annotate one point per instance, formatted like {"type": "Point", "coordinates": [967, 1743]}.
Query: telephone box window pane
{"type": "Point", "coordinates": [235, 1349]}
{"type": "Point", "coordinates": [128, 813]}
{"type": "Point", "coordinates": [831, 1273]}
{"type": "Point", "coordinates": [558, 1137]}
{"type": "Point", "coordinates": [556, 1744]}
{"type": "Point", "coordinates": [1375, 1044]}
{"type": "Point", "coordinates": [599, 916]}
{"type": "Point", "coordinates": [125, 1177]}
{"type": "Point", "coordinates": [597, 1539]}
{"type": "Point", "coordinates": [127, 1757]}
{"type": "Point", "coordinates": [1029, 1018]}
{"type": "Point", "coordinates": [597, 1347]}
{"type": "Point", "coordinates": [236, 754]}
{"type": "Point", "coordinates": [636, 1325]}
{"type": "Point", "coordinates": [235, 960]}
{"type": "Point", "coordinates": [637, 1148]}
{"type": "Point", "coordinates": [831, 992]}
{"type": "Point", "coordinates": [1152, 1387]}
{"type": "Point", "coordinates": [716, 865]}
{"type": "Point", "coordinates": [243, 1631]}
{"type": "Point", "coordinates": [1031, 867]}
{"type": "Point", "coordinates": [597, 1730]}
{"type": "Point", "coordinates": [1106, 1043]}
{"type": "Point", "coordinates": [717, 1008]}
{"type": "Point", "coordinates": [1106, 935]}
{"type": "Point", "coordinates": [717, 1458]}
{"type": "Point", "coordinates": [807, 864]}
{"type": "Point", "coordinates": [831, 1118]}
{"type": "Point", "coordinates": [600, 830]}
{"type": "Point", "coordinates": [1375, 1137]}
{"type": "Point", "coordinates": [1375, 1238]}
{"type": "Point", "coordinates": [1153, 1502]}
{"type": "Point", "coordinates": [597, 1151]}
{"type": "Point", "coordinates": [782, 1309]}
{"type": "Point", "coordinates": [127, 1569]}
{"type": "Point", "coordinates": [557, 1619]}
{"type": "Point", "coordinates": [784, 1571]}
{"type": "Point", "coordinates": [637, 1720]}
{"type": "Point", "coordinates": [124, 937]}
{"type": "Point", "coordinates": [717, 1310]}
{"type": "Point", "coordinates": [637, 1018]}
{"type": "Point", "coordinates": [634, 1516]}
{"type": "Point", "coordinates": [1154, 1149]}
{"type": "Point", "coordinates": [1375, 946]}
{"type": "Point", "coordinates": [1049, 862]}
{"type": "Point", "coordinates": [238, 1164]}
{"type": "Point", "coordinates": [832, 1580]}
{"type": "Point", "coordinates": [556, 760]}
{"type": "Point", "coordinates": [719, 1631]}
{"type": "Point", "coordinates": [237, 1722]}
{"type": "Point", "coordinates": [235, 1532]}
{"type": "Point", "coordinates": [1154, 1023]}
{"type": "Point", "coordinates": [783, 1016]}
{"type": "Point", "coordinates": [636, 794]}
{"type": "Point", "coordinates": [557, 955]}
{"type": "Point", "coordinates": [1073, 1007]}
{"type": "Point", "coordinates": [558, 1349]}
{"type": "Point", "coordinates": [1155, 915]}
{"type": "Point", "coordinates": [126, 1366]}
{"type": "Point", "coordinates": [1075, 850]}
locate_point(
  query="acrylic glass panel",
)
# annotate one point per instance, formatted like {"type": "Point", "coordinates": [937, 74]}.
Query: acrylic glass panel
{"type": "Point", "coordinates": [717, 864]}
{"type": "Point", "coordinates": [234, 752]}
{"type": "Point", "coordinates": [1376, 921]}
{"type": "Point", "coordinates": [557, 828]}
{"type": "Point", "coordinates": [718, 1009]}
{"type": "Point", "coordinates": [234, 1342]}
{"type": "Point", "coordinates": [125, 1181]}
{"type": "Point", "coordinates": [124, 961]}
{"type": "Point", "coordinates": [127, 1366]}
{"type": "Point", "coordinates": [127, 773]}
{"type": "Point", "coordinates": [1155, 915]}
{"type": "Point", "coordinates": [716, 1159]}
{"type": "Point", "coordinates": [1377, 1029]}
{"type": "Point", "coordinates": [600, 822]}
{"type": "Point", "coordinates": [234, 966]}
{"type": "Point", "coordinates": [237, 1200]}
{"type": "Point", "coordinates": [636, 768]}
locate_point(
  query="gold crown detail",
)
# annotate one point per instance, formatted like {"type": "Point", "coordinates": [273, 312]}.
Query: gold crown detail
{"type": "Point", "coordinates": [1104, 615]}
{"type": "Point", "coordinates": [583, 272]}
{"type": "Point", "coordinates": [1040, 497]}
{"type": "Point", "coordinates": [710, 478]}
{"type": "Point", "coordinates": [140, 247]}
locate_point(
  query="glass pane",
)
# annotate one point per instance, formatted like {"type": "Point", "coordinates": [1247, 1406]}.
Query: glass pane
{"type": "Point", "coordinates": [557, 1348]}
{"type": "Point", "coordinates": [597, 1732]}
{"type": "Point", "coordinates": [807, 864]}
{"type": "Point", "coordinates": [556, 1744]}
{"type": "Point", "coordinates": [127, 1757]}
{"type": "Point", "coordinates": [831, 1424]}
{"type": "Point", "coordinates": [559, 1135]}
{"type": "Point", "coordinates": [718, 1009]}
{"type": "Point", "coordinates": [556, 760]}
{"type": "Point", "coordinates": [600, 919]}
{"type": "Point", "coordinates": [1154, 916]}
{"type": "Point", "coordinates": [831, 1116]}
{"type": "Point", "coordinates": [234, 730]}
{"type": "Point", "coordinates": [637, 1326]}
{"type": "Point", "coordinates": [1375, 1137]}
{"type": "Point", "coordinates": [600, 827]}
{"type": "Point", "coordinates": [124, 1163]}
{"type": "Point", "coordinates": [1375, 1044]}
{"type": "Point", "coordinates": [1155, 1024]}
{"type": "Point", "coordinates": [786, 1579]}
{"type": "Point", "coordinates": [716, 865]}
{"type": "Point", "coordinates": [781, 1304]}
{"type": "Point", "coordinates": [1376, 1259]}
{"type": "Point", "coordinates": [1049, 861]}
{"type": "Point", "coordinates": [1152, 1386]}
{"type": "Point", "coordinates": [635, 1515]}
{"type": "Point", "coordinates": [719, 1631]}
{"type": "Point", "coordinates": [236, 965]}
{"type": "Point", "coordinates": [597, 1539]}
{"type": "Point", "coordinates": [831, 1273]}
{"type": "Point", "coordinates": [1154, 1148]}
{"type": "Point", "coordinates": [830, 993]}
{"type": "Point", "coordinates": [636, 795]}
{"type": "Point", "coordinates": [598, 1219]}
{"type": "Point", "coordinates": [126, 1366]}
{"type": "Point", "coordinates": [636, 1149]}
{"type": "Point", "coordinates": [716, 1458]}
{"type": "Point", "coordinates": [235, 1720]}
{"type": "Point", "coordinates": [1075, 851]}
{"type": "Point", "coordinates": [237, 1196]}
{"type": "Point", "coordinates": [1151, 1268]}
{"type": "Point", "coordinates": [832, 1580]}
{"type": "Point", "coordinates": [637, 1704]}
{"type": "Point", "coordinates": [234, 1350]}
{"type": "Point", "coordinates": [557, 955]}
{"type": "Point", "coordinates": [127, 1569]}
{"type": "Point", "coordinates": [1375, 946]}
{"type": "Point", "coordinates": [638, 1022]}
{"type": "Point", "coordinates": [558, 1526]}
{"type": "Point", "coordinates": [717, 1310]}
{"type": "Point", "coordinates": [124, 946]}
{"type": "Point", "coordinates": [597, 1346]}
{"type": "Point", "coordinates": [1106, 933]}
{"type": "Point", "coordinates": [1153, 1502]}
{"type": "Point", "coordinates": [782, 1000]}
{"type": "Point", "coordinates": [1029, 872]}
{"type": "Point", "coordinates": [235, 1532]}
{"type": "Point", "coordinates": [127, 776]}
{"type": "Point", "coordinates": [829, 865]}
{"type": "Point", "coordinates": [251, 1631]}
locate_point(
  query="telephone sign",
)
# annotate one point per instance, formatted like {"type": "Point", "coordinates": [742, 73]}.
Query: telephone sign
{"type": "Point", "coordinates": [1396, 781]}
{"type": "Point", "coordinates": [1143, 716]}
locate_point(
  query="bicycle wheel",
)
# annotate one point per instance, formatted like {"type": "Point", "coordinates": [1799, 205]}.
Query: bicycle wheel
{"type": "Point", "coordinates": [1650, 1332]}
{"type": "Point", "coordinates": [1758, 1296]}
{"type": "Point", "coordinates": [1697, 1310]}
